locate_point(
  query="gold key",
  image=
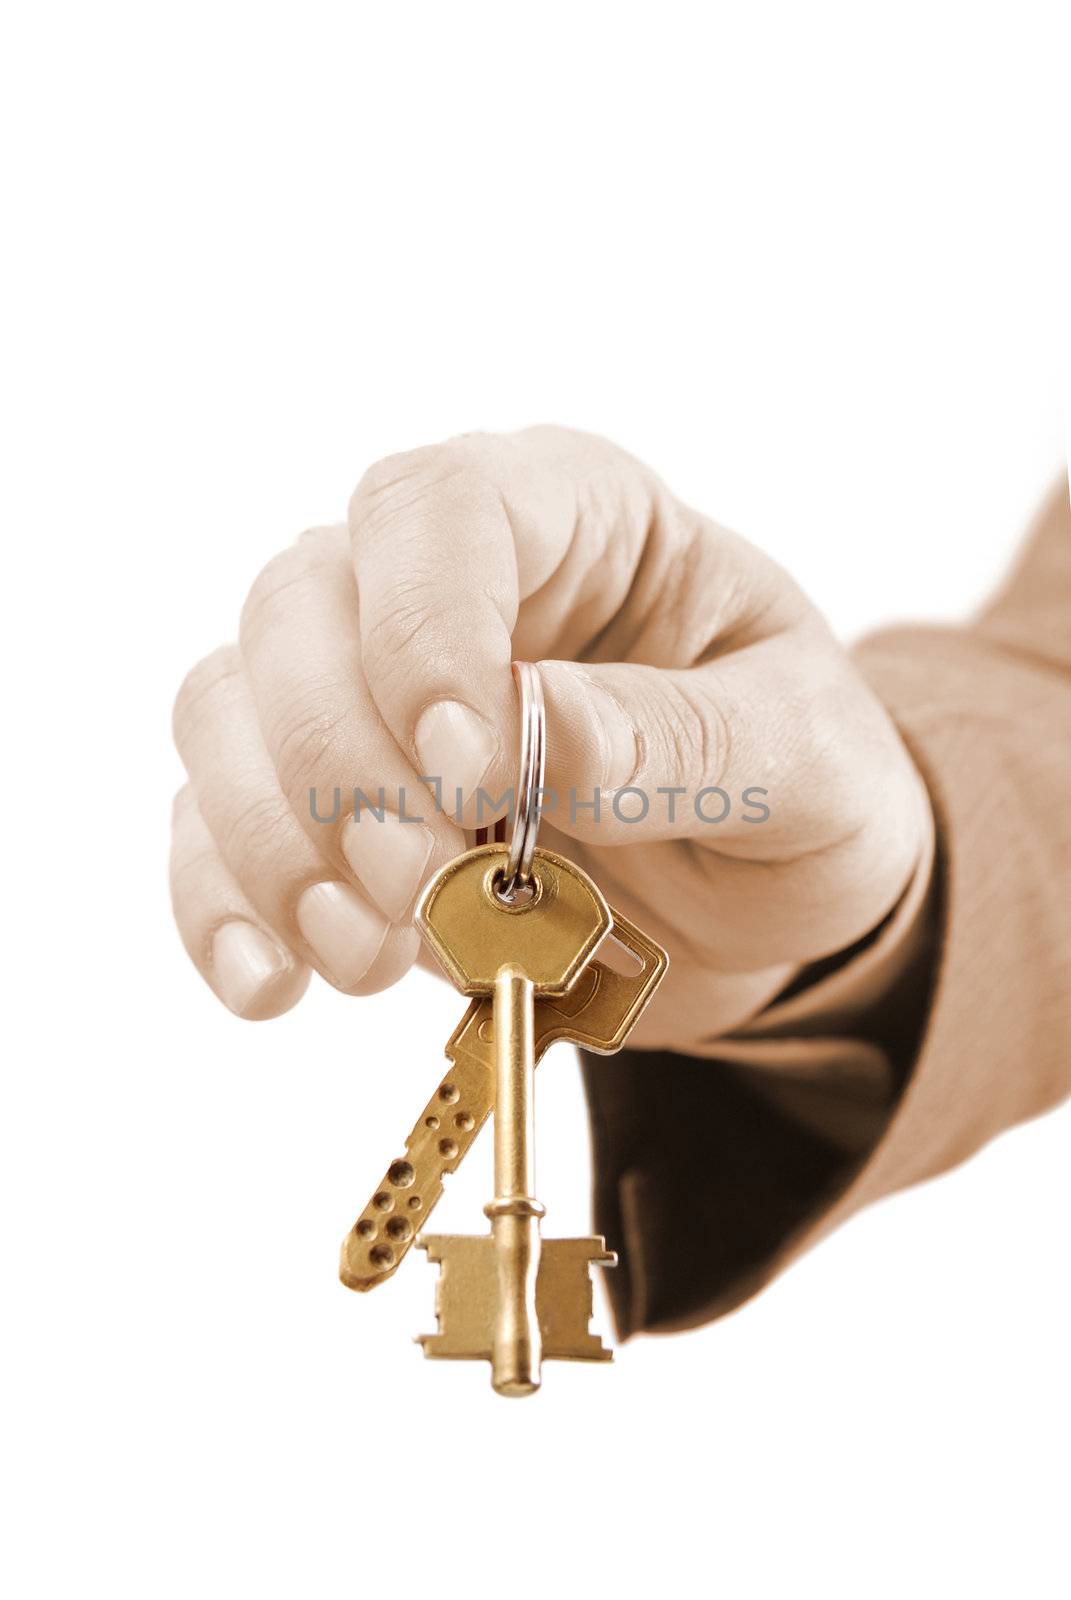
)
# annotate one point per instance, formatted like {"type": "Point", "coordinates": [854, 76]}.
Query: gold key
{"type": "Point", "coordinates": [535, 943]}
{"type": "Point", "coordinates": [597, 1013]}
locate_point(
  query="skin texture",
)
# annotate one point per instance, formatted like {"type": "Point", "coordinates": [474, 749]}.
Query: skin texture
{"type": "Point", "coordinates": [672, 653]}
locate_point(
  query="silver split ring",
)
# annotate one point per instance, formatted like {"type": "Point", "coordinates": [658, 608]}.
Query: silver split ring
{"type": "Point", "coordinates": [531, 764]}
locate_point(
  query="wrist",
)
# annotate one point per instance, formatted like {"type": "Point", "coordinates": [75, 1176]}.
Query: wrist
{"type": "Point", "coordinates": [828, 996]}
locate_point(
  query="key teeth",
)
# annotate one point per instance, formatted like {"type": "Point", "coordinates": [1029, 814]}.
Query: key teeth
{"type": "Point", "coordinates": [430, 1244]}
{"type": "Point", "coordinates": [467, 1287]}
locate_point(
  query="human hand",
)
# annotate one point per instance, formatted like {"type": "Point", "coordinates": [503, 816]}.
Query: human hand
{"type": "Point", "coordinates": [673, 655]}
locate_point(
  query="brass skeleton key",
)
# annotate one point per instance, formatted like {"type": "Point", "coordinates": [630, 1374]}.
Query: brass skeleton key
{"type": "Point", "coordinates": [598, 1013]}
{"type": "Point", "coordinates": [537, 941]}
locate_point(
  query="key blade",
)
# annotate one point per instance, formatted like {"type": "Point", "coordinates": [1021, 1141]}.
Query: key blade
{"type": "Point", "coordinates": [377, 1243]}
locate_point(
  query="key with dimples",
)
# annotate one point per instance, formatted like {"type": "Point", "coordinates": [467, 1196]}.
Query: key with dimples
{"type": "Point", "coordinates": [598, 1013]}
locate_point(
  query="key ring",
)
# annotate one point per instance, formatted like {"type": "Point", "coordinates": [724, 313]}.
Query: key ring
{"type": "Point", "coordinates": [530, 764]}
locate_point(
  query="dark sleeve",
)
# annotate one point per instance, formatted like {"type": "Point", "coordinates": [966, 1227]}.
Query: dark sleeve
{"type": "Point", "coordinates": [712, 1174]}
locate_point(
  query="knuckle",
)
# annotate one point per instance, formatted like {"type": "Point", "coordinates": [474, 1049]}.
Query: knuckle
{"type": "Point", "coordinates": [191, 870]}
{"type": "Point", "coordinates": [714, 729]}
{"type": "Point", "coordinates": [277, 586]}
{"type": "Point", "coordinates": [405, 608]}
{"type": "Point", "coordinates": [199, 688]}
{"type": "Point", "coordinates": [402, 467]}
{"type": "Point", "coordinates": [303, 734]}
{"type": "Point", "coordinates": [270, 582]}
{"type": "Point", "coordinates": [327, 539]}
{"type": "Point", "coordinates": [194, 864]}
{"type": "Point", "coordinates": [395, 496]}
{"type": "Point", "coordinates": [259, 836]}
{"type": "Point", "coordinates": [692, 732]}
{"type": "Point", "coordinates": [427, 462]}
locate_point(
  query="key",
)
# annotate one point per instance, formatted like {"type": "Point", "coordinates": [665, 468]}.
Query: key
{"type": "Point", "coordinates": [538, 943]}
{"type": "Point", "coordinates": [598, 1013]}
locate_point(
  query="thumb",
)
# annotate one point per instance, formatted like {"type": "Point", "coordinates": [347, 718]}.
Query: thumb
{"type": "Point", "coordinates": [720, 754]}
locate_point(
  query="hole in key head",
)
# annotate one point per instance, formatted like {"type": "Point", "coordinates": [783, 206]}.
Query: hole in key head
{"type": "Point", "coordinates": [521, 898]}
{"type": "Point", "coordinates": [619, 958]}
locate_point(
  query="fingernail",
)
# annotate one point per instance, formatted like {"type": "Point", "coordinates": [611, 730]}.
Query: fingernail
{"type": "Point", "coordinates": [388, 857]}
{"type": "Point", "coordinates": [244, 961]}
{"type": "Point", "coordinates": [455, 745]}
{"type": "Point", "coordinates": [346, 933]}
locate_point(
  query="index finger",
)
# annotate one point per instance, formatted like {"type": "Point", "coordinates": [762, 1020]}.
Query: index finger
{"type": "Point", "coordinates": [448, 543]}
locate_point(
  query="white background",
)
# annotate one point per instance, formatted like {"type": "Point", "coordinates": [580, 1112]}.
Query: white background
{"type": "Point", "coordinates": [804, 260]}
